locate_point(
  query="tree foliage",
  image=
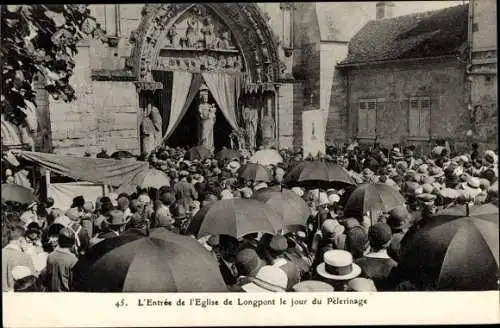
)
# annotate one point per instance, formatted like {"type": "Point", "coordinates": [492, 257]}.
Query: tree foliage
{"type": "Point", "coordinates": [40, 39]}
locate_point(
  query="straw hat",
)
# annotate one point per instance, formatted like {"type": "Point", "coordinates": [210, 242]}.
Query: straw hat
{"type": "Point", "coordinates": [298, 191]}
{"type": "Point", "coordinates": [268, 279]}
{"type": "Point", "coordinates": [361, 285]}
{"type": "Point", "coordinates": [63, 220]}
{"type": "Point", "coordinates": [338, 265]}
{"type": "Point", "coordinates": [312, 286]}
{"type": "Point", "coordinates": [449, 193]}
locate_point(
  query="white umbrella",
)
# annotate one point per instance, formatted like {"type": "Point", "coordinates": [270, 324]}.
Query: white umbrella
{"type": "Point", "coordinates": [266, 157]}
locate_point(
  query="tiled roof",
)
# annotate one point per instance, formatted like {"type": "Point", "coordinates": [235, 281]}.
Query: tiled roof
{"type": "Point", "coordinates": [428, 34]}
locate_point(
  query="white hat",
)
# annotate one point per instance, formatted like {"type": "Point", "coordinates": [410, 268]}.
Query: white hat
{"type": "Point", "coordinates": [20, 272]}
{"type": "Point", "coordinates": [63, 220]}
{"type": "Point", "coordinates": [226, 194]}
{"type": "Point", "coordinates": [338, 265]}
{"type": "Point", "coordinates": [233, 166]}
{"type": "Point", "coordinates": [144, 199]}
{"type": "Point", "coordinates": [298, 191]}
{"type": "Point", "coordinates": [333, 198]}
{"type": "Point", "coordinates": [269, 279]}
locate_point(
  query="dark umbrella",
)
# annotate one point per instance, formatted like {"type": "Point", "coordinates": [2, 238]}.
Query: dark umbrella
{"type": "Point", "coordinates": [372, 197]}
{"type": "Point", "coordinates": [227, 154]}
{"type": "Point", "coordinates": [161, 262]}
{"type": "Point", "coordinates": [17, 193]}
{"type": "Point", "coordinates": [291, 207]}
{"type": "Point", "coordinates": [318, 174]}
{"type": "Point", "coordinates": [254, 172]}
{"type": "Point", "coordinates": [122, 154]}
{"type": "Point", "coordinates": [197, 153]}
{"type": "Point", "coordinates": [236, 218]}
{"type": "Point", "coordinates": [453, 251]}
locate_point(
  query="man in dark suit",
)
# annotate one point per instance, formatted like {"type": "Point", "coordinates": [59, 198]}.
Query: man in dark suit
{"type": "Point", "coordinates": [227, 259]}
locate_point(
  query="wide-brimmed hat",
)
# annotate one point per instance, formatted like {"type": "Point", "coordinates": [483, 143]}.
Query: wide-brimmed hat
{"type": "Point", "coordinates": [144, 199]}
{"type": "Point", "coordinates": [422, 169]}
{"type": "Point", "coordinates": [338, 265]}
{"type": "Point", "coordinates": [269, 278]}
{"type": "Point", "coordinates": [63, 220]}
{"type": "Point", "coordinates": [249, 262]}
{"type": "Point", "coordinates": [425, 179]}
{"type": "Point", "coordinates": [312, 286]}
{"type": "Point", "coordinates": [379, 234]}
{"type": "Point", "coordinates": [278, 244]}
{"type": "Point", "coordinates": [233, 166]}
{"type": "Point", "coordinates": [361, 285]}
{"type": "Point", "coordinates": [73, 214]}
{"type": "Point", "coordinates": [398, 217]}
{"type": "Point", "coordinates": [426, 197]}
{"type": "Point", "coordinates": [298, 191]}
{"type": "Point", "coordinates": [449, 193]}
{"type": "Point", "coordinates": [428, 188]}
{"type": "Point", "coordinates": [396, 153]}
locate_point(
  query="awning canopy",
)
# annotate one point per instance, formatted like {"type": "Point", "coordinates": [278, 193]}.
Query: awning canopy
{"type": "Point", "coordinates": [97, 170]}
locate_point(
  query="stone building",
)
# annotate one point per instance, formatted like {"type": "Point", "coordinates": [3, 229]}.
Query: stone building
{"type": "Point", "coordinates": [278, 58]}
{"type": "Point", "coordinates": [405, 78]}
{"type": "Point", "coordinates": [483, 69]}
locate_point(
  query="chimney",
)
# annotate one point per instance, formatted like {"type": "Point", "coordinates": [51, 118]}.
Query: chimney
{"type": "Point", "coordinates": [385, 9]}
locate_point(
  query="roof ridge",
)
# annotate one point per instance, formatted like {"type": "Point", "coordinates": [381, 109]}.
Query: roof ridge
{"type": "Point", "coordinates": [421, 13]}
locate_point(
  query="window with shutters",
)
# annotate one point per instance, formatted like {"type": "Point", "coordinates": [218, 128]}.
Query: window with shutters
{"type": "Point", "coordinates": [367, 118]}
{"type": "Point", "coordinates": [419, 117]}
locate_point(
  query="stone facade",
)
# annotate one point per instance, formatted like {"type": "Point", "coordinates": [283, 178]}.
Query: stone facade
{"type": "Point", "coordinates": [104, 115]}
{"type": "Point", "coordinates": [483, 71]}
{"type": "Point", "coordinates": [392, 85]}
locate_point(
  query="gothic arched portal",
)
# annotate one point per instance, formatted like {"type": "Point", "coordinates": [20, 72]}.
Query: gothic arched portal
{"type": "Point", "coordinates": [247, 30]}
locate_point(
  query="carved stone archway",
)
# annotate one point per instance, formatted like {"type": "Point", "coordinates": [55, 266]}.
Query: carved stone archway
{"type": "Point", "coordinates": [248, 27]}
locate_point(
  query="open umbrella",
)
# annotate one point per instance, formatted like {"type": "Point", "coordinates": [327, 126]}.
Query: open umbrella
{"type": "Point", "coordinates": [161, 262]}
{"type": "Point", "coordinates": [318, 174]}
{"type": "Point", "coordinates": [197, 153]}
{"type": "Point", "coordinates": [372, 197]}
{"type": "Point", "coordinates": [254, 172]}
{"type": "Point", "coordinates": [266, 157]}
{"type": "Point", "coordinates": [291, 207]}
{"type": "Point", "coordinates": [17, 193]}
{"type": "Point", "coordinates": [150, 178]}
{"type": "Point", "coordinates": [453, 251]}
{"type": "Point", "coordinates": [236, 218]}
{"type": "Point", "coordinates": [227, 154]}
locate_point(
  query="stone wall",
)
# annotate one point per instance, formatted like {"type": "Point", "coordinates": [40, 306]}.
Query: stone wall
{"type": "Point", "coordinates": [104, 115]}
{"type": "Point", "coordinates": [393, 85]}
{"type": "Point", "coordinates": [333, 96]}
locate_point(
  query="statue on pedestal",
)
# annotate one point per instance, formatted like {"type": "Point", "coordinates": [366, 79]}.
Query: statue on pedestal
{"type": "Point", "coordinates": [173, 37]}
{"type": "Point", "coordinates": [151, 126]}
{"type": "Point", "coordinates": [207, 115]}
{"type": "Point", "coordinates": [208, 33]}
{"type": "Point", "coordinates": [250, 119]}
{"type": "Point", "coordinates": [191, 33]}
{"type": "Point", "coordinates": [268, 131]}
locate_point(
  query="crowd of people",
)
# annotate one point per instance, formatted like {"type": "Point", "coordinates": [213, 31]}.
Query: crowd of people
{"type": "Point", "coordinates": [43, 242]}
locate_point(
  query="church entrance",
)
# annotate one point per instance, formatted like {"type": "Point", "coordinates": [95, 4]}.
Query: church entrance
{"type": "Point", "coordinates": [187, 134]}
